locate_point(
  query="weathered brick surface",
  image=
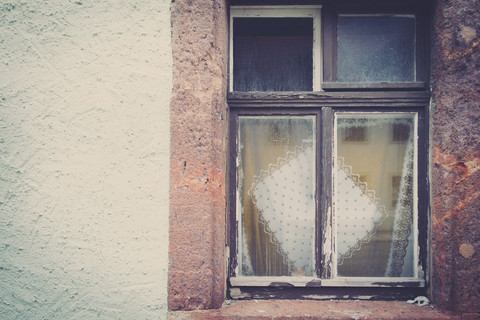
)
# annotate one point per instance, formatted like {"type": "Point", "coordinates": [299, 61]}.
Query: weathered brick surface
{"type": "Point", "coordinates": [456, 156]}
{"type": "Point", "coordinates": [197, 163]}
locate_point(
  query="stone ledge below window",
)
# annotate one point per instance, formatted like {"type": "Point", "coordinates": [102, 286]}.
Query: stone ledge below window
{"type": "Point", "coordinates": [306, 309]}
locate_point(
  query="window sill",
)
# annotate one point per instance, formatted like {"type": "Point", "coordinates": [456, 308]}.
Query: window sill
{"type": "Point", "coordinates": [301, 309]}
{"type": "Point", "coordinates": [316, 282]}
{"type": "Point", "coordinates": [419, 85]}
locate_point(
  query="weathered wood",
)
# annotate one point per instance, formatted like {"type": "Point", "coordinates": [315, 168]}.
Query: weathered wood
{"type": "Point", "coordinates": [381, 99]}
{"type": "Point", "coordinates": [329, 43]}
{"type": "Point", "coordinates": [326, 241]}
{"type": "Point", "coordinates": [274, 281]}
{"type": "Point", "coordinates": [325, 293]}
{"type": "Point", "coordinates": [338, 96]}
{"type": "Point", "coordinates": [232, 226]}
{"type": "Point", "coordinates": [374, 282]}
{"type": "Point", "coordinates": [419, 85]}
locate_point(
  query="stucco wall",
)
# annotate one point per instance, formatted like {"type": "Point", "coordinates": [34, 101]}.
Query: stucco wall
{"type": "Point", "coordinates": [84, 156]}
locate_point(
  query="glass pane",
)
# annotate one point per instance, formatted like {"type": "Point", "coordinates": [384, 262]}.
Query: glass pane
{"type": "Point", "coordinates": [276, 196]}
{"type": "Point", "coordinates": [376, 48]}
{"type": "Point", "coordinates": [272, 54]}
{"type": "Point", "coordinates": [375, 191]}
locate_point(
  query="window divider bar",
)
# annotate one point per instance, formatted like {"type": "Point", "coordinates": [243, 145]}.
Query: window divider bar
{"type": "Point", "coordinates": [317, 51]}
{"type": "Point", "coordinates": [326, 241]}
{"type": "Point", "coordinates": [382, 99]}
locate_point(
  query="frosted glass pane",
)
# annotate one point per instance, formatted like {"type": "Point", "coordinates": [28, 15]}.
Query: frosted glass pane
{"type": "Point", "coordinates": [374, 194]}
{"type": "Point", "coordinates": [272, 54]}
{"type": "Point", "coordinates": [376, 48]}
{"type": "Point", "coordinates": [276, 172]}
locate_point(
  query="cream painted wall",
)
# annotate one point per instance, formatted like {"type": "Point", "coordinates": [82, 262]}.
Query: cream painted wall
{"type": "Point", "coordinates": [84, 158]}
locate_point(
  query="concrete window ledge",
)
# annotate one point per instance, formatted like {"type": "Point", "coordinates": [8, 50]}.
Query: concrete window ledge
{"type": "Point", "coordinates": [332, 309]}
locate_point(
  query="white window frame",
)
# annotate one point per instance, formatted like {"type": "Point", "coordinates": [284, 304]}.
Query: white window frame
{"type": "Point", "coordinates": [313, 12]}
{"type": "Point", "coordinates": [330, 246]}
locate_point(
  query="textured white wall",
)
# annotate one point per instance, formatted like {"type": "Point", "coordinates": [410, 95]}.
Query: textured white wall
{"type": "Point", "coordinates": [84, 157]}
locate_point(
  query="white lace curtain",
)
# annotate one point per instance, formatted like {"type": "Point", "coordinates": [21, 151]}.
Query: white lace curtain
{"type": "Point", "coordinates": [373, 207]}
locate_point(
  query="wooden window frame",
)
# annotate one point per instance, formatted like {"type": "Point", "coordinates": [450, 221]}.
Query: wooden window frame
{"type": "Point", "coordinates": [336, 97]}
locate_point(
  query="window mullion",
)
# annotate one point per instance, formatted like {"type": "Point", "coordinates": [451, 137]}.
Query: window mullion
{"type": "Point", "coordinates": [325, 241]}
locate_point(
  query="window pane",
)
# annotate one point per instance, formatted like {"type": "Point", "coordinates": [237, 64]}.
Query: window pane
{"type": "Point", "coordinates": [375, 188]}
{"type": "Point", "coordinates": [272, 54]}
{"type": "Point", "coordinates": [376, 48]}
{"type": "Point", "coordinates": [275, 196]}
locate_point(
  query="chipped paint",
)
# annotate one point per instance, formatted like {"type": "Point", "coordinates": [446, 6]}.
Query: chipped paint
{"type": "Point", "coordinates": [236, 293]}
{"type": "Point", "coordinates": [319, 297]}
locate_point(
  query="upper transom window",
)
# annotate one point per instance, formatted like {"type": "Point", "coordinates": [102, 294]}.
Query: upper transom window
{"type": "Point", "coordinates": [281, 48]}
{"type": "Point", "coordinates": [275, 49]}
{"type": "Point", "coordinates": [375, 48]}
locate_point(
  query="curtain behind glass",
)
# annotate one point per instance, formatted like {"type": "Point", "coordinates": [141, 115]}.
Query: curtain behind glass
{"type": "Point", "coordinates": [376, 48]}
{"type": "Point", "coordinates": [276, 190]}
{"type": "Point", "coordinates": [273, 54]}
{"type": "Point", "coordinates": [374, 194]}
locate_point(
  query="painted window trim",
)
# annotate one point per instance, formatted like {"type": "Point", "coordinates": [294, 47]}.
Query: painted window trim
{"type": "Point", "coordinates": [334, 282]}
{"type": "Point", "coordinates": [332, 233]}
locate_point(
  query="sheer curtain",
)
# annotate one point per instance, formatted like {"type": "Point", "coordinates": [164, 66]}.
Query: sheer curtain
{"type": "Point", "coordinates": [374, 192]}
{"type": "Point", "coordinates": [374, 195]}
{"type": "Point", "coordinates": [277, 183]}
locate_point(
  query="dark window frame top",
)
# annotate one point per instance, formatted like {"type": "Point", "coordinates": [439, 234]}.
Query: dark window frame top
{"type": "Point", "coordinates": [336, 97]}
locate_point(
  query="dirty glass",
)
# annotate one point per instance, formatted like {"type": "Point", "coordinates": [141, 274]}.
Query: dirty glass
{"type": "Point", "coordinates": [376, 48]}
{"type": "Point", "coordinates": [272, 54]}
{"type": "Point", "coordinates": [375, 192]}
{"type": "Point", "coordinates": [276, 195]}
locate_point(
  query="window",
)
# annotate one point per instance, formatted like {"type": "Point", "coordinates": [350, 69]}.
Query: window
{"type": "Point", "coordinates": [275, 49]}
{"type": "Point", "coordinates": [328, 168]}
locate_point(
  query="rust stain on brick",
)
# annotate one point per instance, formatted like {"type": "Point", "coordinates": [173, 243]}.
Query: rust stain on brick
{"type": "Point", "coordinates": [455, 179]}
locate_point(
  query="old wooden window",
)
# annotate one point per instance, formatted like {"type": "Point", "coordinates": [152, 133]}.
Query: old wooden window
{"type": "Point", "coordinates": [328, 147]}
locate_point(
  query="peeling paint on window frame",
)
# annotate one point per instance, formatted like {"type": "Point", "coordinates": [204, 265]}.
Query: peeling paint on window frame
{"type": "Point", "coordinates": [336, 97]}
